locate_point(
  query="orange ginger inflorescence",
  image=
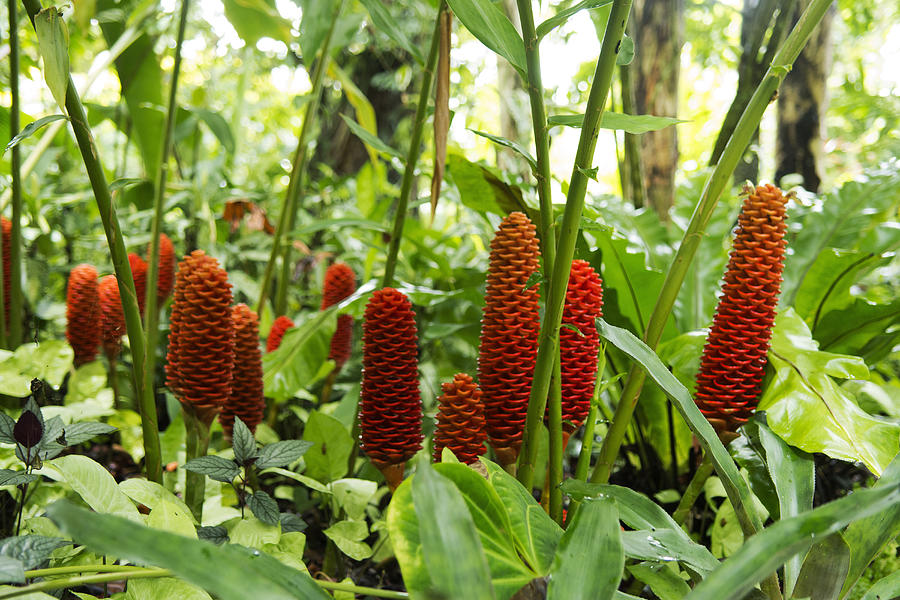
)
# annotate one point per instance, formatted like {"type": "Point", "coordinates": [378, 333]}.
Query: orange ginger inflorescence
{"type": "Point", "coordinates": [165, 279]}
{"type": "Point", "coordinates": [201, 336]}
{"type": "Point", "coordinates": [246, 400]}
{"type": "Point", "coordinates": [83, 313]}
{"type": "Point", "coordinates": [139, 273]}
{"type": "Point", "coordinates": [112, 318]}
{"type": "Point", "coordinates": [277, 331]}
{"type": "Point", "coordinates": [509, 334]}
{"type": "Point", "coordinates": [460, 420]}
{"type": "Point", "coordinates": [391, 408]}
{"type": "Point", "coordinates": [731, 371]}
{"type": "Point", "coordinates": [340, 283]}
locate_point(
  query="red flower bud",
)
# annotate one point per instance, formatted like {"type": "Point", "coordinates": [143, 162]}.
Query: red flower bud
{"type": "Point", "coordinates": [139, 273]}
{"type": "Point", "coordinates": [509, 334]}
{"type": "Point", "coordinates": [460, 420]}
{"type": "Point", "coordinates": [201, 336]}
{"type": "Point", "coordinates": [246, 400]}
{"type": "Point", "coordinates": [731, 371]}
{"type": "Point", "coordinates": [112, 318]}
{"type": "Point", "coordinates": [83, 313]}
{"type": "Point", "coordinates": [391, 408]}
{"type": "Point", "coordinates": [279, 327]}
{"type": "Point", "coordinates": [340, 283]}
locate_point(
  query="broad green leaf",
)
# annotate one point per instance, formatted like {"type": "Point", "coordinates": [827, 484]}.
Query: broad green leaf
{"type": "Point", "coordinates": [297, 364]}
{"type": "Point", "coordinates": [218, 126]}
{"type": "Point", "coordinates": [30, 550]}
{"type": "Point", "coordinates": [625, 51]}
{"type": "Point", "coordinates": [794, 475]}
{"type": "Point", "coordinates": [866, 537]}
{"type": "Point", "coordinates": [214, 467]}
{"type": "Point", "coordinates": [289, 549]}
{"type": "Point", "coordinates": [590, 557]}
{"type": "Point", "coordinates": [307, 481]}
{"type": "Point", "coordinates": [403, 527]}
{"type": "Point", "coordinates": [664, 581]}
{"type": "Point", "coordinates": [635, 509]}
{"type": "Point", "coordinates": [253, 533]}
{"type": "Point", "coordinates": [861, 329]}
{"type": "Point", "coordinates": [263, 507]}
{"type": "Point", "coordinates": [371, 140]}
{"type": "Point", "coordinates": [317, 17]}
{"type": "Point", "coordinates": [748, 452]}
{"type": "Point", "coordinates": [451, 546]}
{"type": "Point", "coordinates": [53, 45]}
{"type": "Point", "coordinates": [30, 129]}
{"type": "Point", "coordinates": [887, 587]}
{"type": "Point", "coordinates": [535, 533]}
{"type": "Point", "coordinates": [486, 21]}
{"type": "Point", "coordinates": [281, 454]}
{"type": "Point", "coordinates": [810, 411]}
{"type": "Point", "coordinates": [349, 537]}
{"type": "Point", "coordinates": [668, 545]}
{"type": "Point", "coordinates": [86, 382]}
{"type": "Point", "coordinates": [243, 443]}
{"type": "Point", "coordinates": [10, 477]}
{"type": "Point", "coordinates": [168, 516]}
{"type": "Point", "coordinates": [353, 496]}
{"type": "Point", "coordinates": [11, 570]}
{"type": "Point", "coordinates": [163, 588]}
{"type": "Point", "coordinates": [91, 481]}
{"type": "Point", "coordinates": [7, 424]}
{"type": "Point", "coordinates": [255, 19]}
{"type": "Point", "coordinates": [562, 16]}
{"type": "Point", "coordinates": [327, 459]}
{"type": "Point", "coordinates": [764, 552]}
{"type": "Point", "coordinates": [725, 534]}
{"type": "Point", "coordinates": [735, 486]}
{"type": "Point", "coordinates": [249, 575]}
{"type": "Point", "coordinates": [515, 146]}
{"type": "Point", "coordinates": [152, 494]}
{"type": "Point", "coordinates": [635, 124]}
{"type": "Point", "coordinates": [386, 24]}
{"type": "Point", "coordinates": [484, 192]}
{"type": "Point", "coordinates": [76, 433]}
{"type": "Point", "coordinates": [49, 360]}
{"type": "Point", "coordinates": [824, 570]}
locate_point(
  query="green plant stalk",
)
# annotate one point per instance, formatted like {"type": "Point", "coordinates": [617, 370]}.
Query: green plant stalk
{"type": "Point", "coordinates": [299, 167]}
{"type": "Point", "coordinates": [548, 350]}
{"type": "Point", "coordinates": [116, 243]}
{"type": "Point", "coordinates": [151, 312]}
{"type": "Point", "coordinates": [712, 191]}
{"type": "Point", "coordinates": [13, 334]}
{"type": "Point", "coordinates": [587, 444]}
{"type": "Point", "coordinates": [694, 488]}
{"type": "Point", "coordinates": [56, 584]}
{"type": "Point", "coordinates": [54, 571]}
{"type": "Point", "coordinates": [412, 154]}
{"type": "Point", "coordinates": [196, 443]}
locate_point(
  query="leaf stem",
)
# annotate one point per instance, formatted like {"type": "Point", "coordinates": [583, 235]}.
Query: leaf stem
{"type": "Point", "coordinates": [693, 490]}
{"type": "Point", "coordinates": [548, 350]}
{"type": "Point", "coordinates": [56, 584]}
{"type": "Point", "coordinates": [116, 243]}
{"type": "Point", "coordinates": [412, 154]}
{"type": "Point", "coordinates": [712, 191]}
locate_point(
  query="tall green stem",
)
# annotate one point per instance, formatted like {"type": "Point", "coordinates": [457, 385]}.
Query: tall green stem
{"type": "Point", "coordinates": [151, 314]}
{"type": "Point", "coordinates": [295, 186]}
{"type": "Point", "coordinates": [196, 443]}
{"type": "Point", "coordinates": [116, 243]}
{"type": "Point", "coordinates": [548, 350]}
{"type": "Point", "coordinates": [716, 184]}
{"type": "Point", "coordinates": [412, 154]}
{"type": "Point", "coordinates": [13, 333]}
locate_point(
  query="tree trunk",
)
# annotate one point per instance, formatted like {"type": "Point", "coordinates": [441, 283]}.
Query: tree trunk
{"type": "Point", "coordinates": [802, 104]}
{"type": "Point", "coordinates": [659, 27]}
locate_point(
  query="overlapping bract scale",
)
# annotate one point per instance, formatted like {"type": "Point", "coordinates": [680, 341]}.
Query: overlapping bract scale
{"type": "Point", "coordinates": [391, 407]}
{"type": "Point", "coordinates": [201, 336]}
{"type": "Point", "coordinates": [139, 273]}
{"type": "Point", "coordinates": [578, 349]}
{"type": "Point", "coordinates": [246, 400]}
{"type": "Point", "coordinates": [340, 283]}
{"type": "Point", "coordinates": [731, 370]}
{"type": "Point", "coordinates": [83, 313]}
{"type": "Point", "coordinates": [276, 332]}
{"type": "Point", "coordinates": [509, 334]}
{"type": "Point", "coordinates": [460, 420]}
{"type": "Point", "coordinates": [165, 278]}
{"type": "Point", "coordinates": [112, 318]}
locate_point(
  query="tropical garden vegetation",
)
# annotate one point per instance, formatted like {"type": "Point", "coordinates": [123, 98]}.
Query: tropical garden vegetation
{"type": "Point", "coordinates": [450, 299]}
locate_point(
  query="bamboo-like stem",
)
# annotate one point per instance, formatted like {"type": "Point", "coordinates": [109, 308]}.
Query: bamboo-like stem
{"type": "Point", "coordinates": [54, 571]}
{"type": "Point", "coordinates": [712, 191]}
{"type": "Point", "coordinates": [116, 243]}
{"type": "Point", "coordinates": [12, 335]}
{"type": "Point", "coordinates": [412, 153]}
{"type": "Point", "coordinates": [587, 438]}
{"type": "Point", "coordinates": [151, 313]}
{"type": "Point", "coordinates": [548, 350]}
{"type": "Point", "coordinates": [196, 443]}
{"type": "Point", "coordinates": [556, 449]}
{"type": "Point", "coordinates": [56, 584]}
{"type": "Point", "coordinates": [693, 490]}
{"type": "Point", "coordinates": [295, 186]}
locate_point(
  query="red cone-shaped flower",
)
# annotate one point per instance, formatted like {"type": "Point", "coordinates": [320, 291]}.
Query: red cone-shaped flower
{"type": "Point", "coordinates": [460, 420]}
{"type": "Point", "coordinates": [83, 313]}
{"type": "Point", "coordinates": [112, 318]}
{"type": "Point", "coordinates": [279, 327]}
{"type": "Point", "coordinates": [391, 409]}
{"type": "Point", "coordinates": [201, 336]}
{"type": "Point", "coordinates": [340, 283]}
{"type": "Point", "coordinates": [139, 272]}
{"type": "Point", "coordinates": [246, 400]}
{"type": "Point", "coordinates": [731, 371]}
{"type": "Point", "coordinates": [578, 351]}
{"type": "Point", "coordinates": [509, 334]}
{"type": "Point", "coordinates": [6, 234]}
{"type": "Point", "coordinates": [165, 279]}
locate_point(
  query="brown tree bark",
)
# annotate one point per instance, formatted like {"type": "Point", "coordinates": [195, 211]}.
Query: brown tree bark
{"type": "Point", "coordinates": [659, 31]}
{"type": "Point", "coordinates": [802, 102]}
